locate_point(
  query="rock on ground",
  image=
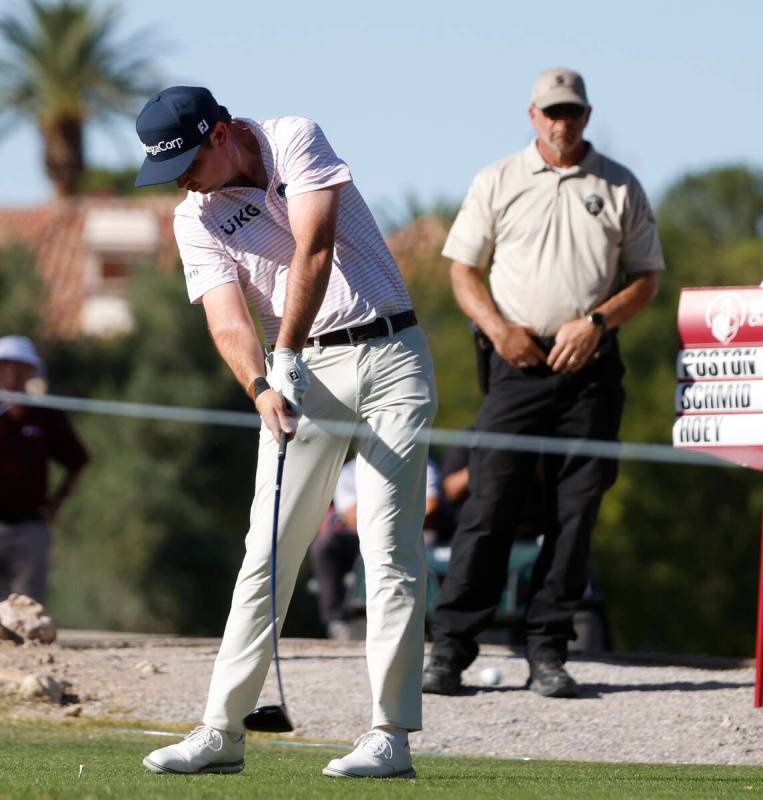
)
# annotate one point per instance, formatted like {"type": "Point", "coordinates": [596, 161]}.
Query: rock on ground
{"type": "Point", "coordinates": [25, 619]}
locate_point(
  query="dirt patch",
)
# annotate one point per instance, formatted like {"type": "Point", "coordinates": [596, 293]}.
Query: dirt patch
{"type": "Point", "coordinates": [637, 712]}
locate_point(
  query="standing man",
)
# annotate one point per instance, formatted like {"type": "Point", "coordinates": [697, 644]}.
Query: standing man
{"type": "Point", "coordinates": [572, 250]}
{"type": "Point", "coordinates": [273, 221]}
{"type": "Point", "coordinates": [29, 439]}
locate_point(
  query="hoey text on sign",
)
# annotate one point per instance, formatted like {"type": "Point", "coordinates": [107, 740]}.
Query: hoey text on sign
{"type": "Point", "coordinates": [741, 429]}
{"type": "Point", "coordinates": [699, 430]}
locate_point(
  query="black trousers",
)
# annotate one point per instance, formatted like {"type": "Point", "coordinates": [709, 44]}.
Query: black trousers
{"type": "Point", "coordinates": [534, 401]}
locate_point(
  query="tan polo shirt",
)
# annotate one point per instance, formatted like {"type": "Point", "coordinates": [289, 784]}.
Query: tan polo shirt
{"type": "Point", "coordinates": [557, 245]}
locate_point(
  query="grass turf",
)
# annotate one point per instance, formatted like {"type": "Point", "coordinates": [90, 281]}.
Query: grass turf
{"type": "Point", "coordinates": [42, 760]}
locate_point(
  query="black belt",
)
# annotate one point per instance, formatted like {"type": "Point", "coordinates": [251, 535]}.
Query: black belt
{"type": "Point", "coordinates": [547, 342]}
{"type": "Point", "coordinates": [381, 326]}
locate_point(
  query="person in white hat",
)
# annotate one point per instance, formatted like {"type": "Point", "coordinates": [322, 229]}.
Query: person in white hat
{"type": "Point", "coordinates": [29, 438]}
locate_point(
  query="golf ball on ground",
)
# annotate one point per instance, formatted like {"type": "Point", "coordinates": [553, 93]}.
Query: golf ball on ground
{"type": "Point", "coordinates": [490, 676]}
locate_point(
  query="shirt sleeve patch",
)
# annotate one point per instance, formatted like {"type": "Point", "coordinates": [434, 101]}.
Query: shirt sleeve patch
{"type": "Point", "coordinates": [206, 263]}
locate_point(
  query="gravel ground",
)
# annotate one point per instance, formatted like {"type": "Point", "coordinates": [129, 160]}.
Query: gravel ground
{"type": "Point", "coordinates": [628, 712]}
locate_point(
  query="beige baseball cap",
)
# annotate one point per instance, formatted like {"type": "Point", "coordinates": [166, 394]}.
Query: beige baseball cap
{"type": "Point", "coordinates": [559, 85]}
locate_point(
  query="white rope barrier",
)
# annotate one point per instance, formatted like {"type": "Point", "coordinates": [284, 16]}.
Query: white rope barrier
{"type": "Point", "coordinates": [625, 451]}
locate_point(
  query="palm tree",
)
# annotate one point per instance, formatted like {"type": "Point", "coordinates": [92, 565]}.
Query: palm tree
{"type": "Point", "coordinates": [63, 67]}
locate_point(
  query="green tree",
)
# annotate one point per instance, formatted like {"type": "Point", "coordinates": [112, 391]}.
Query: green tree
{"type": "Point", "coordinates": [22, 294]}
{"type": "Point", "coordinates": [64, 67]}
{"type": "Point", "coordinates": [677, 547]}
{"type": "Point", "coordinates": [154, 535]}
{"type": "Point", "coordinates": [119, 182]}
{"type": "Point", "coordinates": [717, 207]}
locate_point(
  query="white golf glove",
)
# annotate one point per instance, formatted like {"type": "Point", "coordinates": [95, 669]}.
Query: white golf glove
{"type": "Point", "coordinates": [288, 375]}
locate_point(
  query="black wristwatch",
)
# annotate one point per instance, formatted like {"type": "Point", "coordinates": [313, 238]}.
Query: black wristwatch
{"type": "Point", "coordinates": [598, 319]}
{"type": "Point", "coordinates": [259, 385]}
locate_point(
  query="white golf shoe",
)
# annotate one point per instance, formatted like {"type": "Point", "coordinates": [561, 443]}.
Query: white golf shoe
{"type": "Point", "coordinates": [376, 755]}
{"type": "Point", "coordinates": [204, 750]}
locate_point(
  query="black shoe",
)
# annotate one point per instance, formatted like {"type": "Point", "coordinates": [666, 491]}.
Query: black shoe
{"type": "Point", "coordinates": [441, 677]}
{"type": "Point", "coordinates": [551, 679]}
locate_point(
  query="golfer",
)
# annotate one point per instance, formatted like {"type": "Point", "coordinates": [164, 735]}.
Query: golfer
{"type": "Point", "coordinates": [273, 223]}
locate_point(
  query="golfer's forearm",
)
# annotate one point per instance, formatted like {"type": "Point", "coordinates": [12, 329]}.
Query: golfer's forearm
{"type": "Point", "coordinates": [630, 300]}
{"type": "Point", "coordinates": [474, 299]}
{"type": "Point", "coordinates": [305, 289]}
{"type": "Point", "coordinates": [237, 343]}
{"type": "Point", "coordinates": [233, 332]}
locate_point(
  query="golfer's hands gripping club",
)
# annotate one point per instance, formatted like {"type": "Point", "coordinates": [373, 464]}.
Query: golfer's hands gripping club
{"type": "Point", "coordinates": [281, 407]}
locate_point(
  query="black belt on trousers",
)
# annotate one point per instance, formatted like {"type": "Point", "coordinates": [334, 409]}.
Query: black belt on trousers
{"type": "Point", "coordinates": [381, 326]}
{"type": "Point", "coordinates": [607, 339]}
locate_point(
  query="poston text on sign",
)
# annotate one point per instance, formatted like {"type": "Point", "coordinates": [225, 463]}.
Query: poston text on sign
{"type": "Point", "coordinates": [737, 362]}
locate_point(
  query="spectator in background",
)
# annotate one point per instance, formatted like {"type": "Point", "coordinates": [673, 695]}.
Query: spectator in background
{"type": "Point", "coordinates": [455, 483]}
{"type": "Point", "coordinates": [335, 549]}
{"type": "Point", "coordinates": [529, 519]}
{"type": "Point", "coordinates": [573, 253]}
{"type": "Point", "coordinates": [29, 438]}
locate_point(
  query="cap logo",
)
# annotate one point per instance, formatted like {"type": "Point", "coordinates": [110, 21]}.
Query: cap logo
{"type": "Point", "coordinates": [559, 80]}
{"type": "Point", "coordinates": [172, 126]}
{"type": "Point", "coordinates": [161, 147]}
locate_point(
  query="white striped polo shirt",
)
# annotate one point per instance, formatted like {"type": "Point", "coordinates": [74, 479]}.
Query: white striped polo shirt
{"type": "Point", "coordinates": [243, 234]}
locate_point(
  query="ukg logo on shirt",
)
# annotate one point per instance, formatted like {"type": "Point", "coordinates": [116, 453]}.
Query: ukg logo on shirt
{"type": "Point", "coordinates": [242, 216]}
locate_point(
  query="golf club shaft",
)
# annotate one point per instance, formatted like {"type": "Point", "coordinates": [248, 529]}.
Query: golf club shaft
{"type": "Point", "coordinates": [273, 559]}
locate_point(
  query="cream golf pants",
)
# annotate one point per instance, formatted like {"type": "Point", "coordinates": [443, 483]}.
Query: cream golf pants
{"type": "Point", "coordinates": [386, 388]}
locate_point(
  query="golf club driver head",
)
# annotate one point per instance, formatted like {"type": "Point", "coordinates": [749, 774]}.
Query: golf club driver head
{"type": "Point", "coordinates": [268, 719]}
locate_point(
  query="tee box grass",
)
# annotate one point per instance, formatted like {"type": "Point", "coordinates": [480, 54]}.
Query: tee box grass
{"type": "Point", "coordinates": [43, 760]}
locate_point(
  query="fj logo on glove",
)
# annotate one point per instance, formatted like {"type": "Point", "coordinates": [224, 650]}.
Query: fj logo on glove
{"type": "Point", "coordinates": [293, 375]}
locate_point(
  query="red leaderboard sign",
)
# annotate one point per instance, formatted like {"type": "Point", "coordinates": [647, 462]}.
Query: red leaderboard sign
{"type": "Point", "coordinates": [719, 398]}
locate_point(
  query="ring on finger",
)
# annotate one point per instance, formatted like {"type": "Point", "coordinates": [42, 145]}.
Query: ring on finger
{"type": "Point", "coordinates": [522, 364]}
{"type": "Point", "coordinates": [572, 360]}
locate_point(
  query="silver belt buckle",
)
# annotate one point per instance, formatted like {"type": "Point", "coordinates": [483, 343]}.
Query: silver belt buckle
{"type": "Point", "coordinates": [390, 329]}
{"type": "Point", "coordinates": [350, 336]}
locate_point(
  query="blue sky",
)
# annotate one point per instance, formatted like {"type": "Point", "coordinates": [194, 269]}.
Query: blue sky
{"type": "Point", "coordinates": [417, 96]}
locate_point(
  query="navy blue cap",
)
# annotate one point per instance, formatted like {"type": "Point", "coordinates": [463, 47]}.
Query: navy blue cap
{"type": "Point", "coordinates": [172, 126]}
